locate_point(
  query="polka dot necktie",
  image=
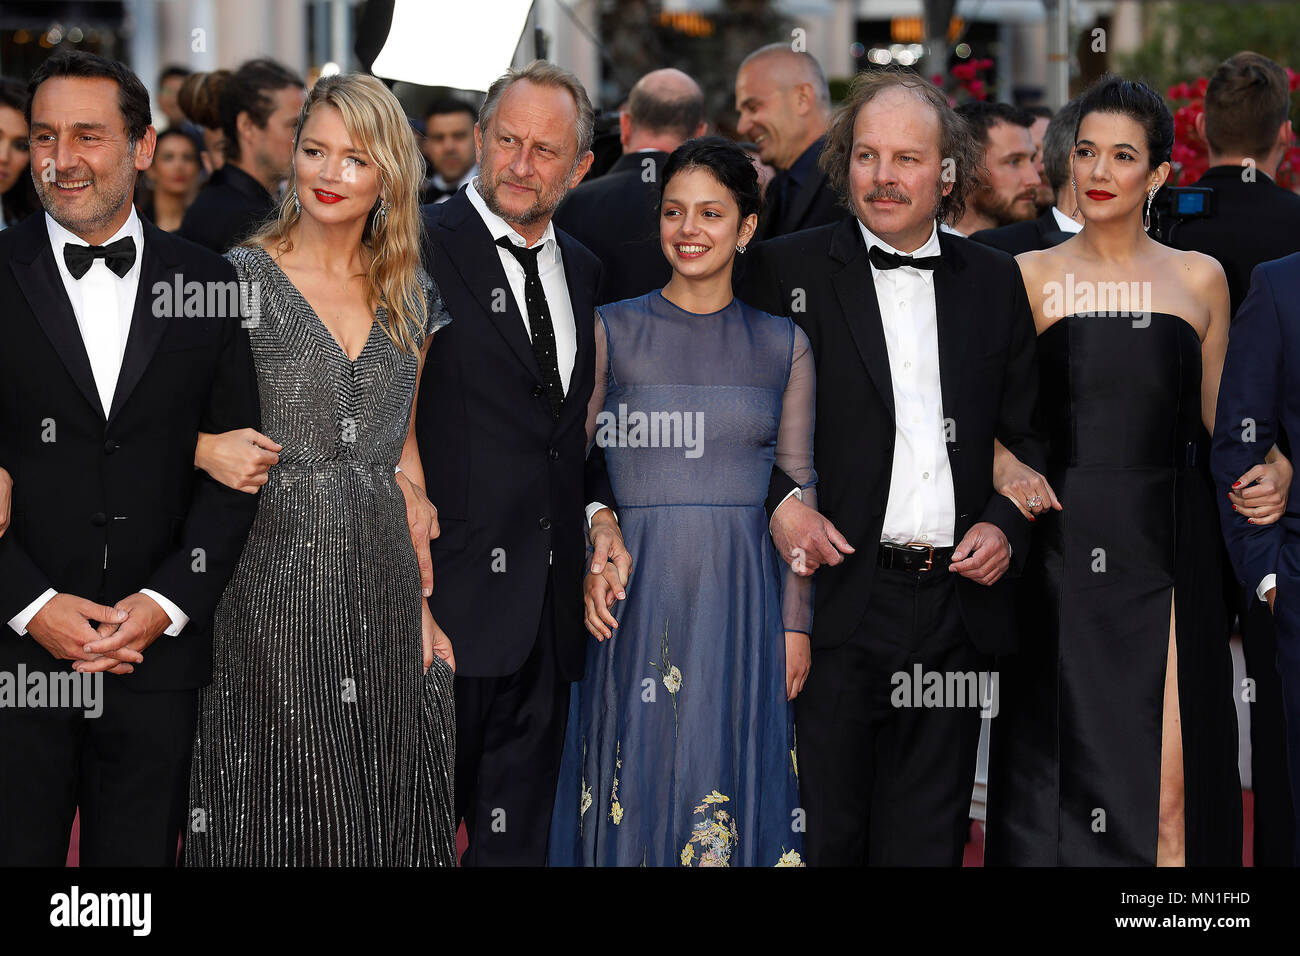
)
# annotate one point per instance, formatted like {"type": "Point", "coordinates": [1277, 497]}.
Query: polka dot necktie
{"type": "Point", "coordinates": [539, 322]}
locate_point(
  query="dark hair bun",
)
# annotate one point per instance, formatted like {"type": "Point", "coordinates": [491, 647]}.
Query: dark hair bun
{"type": "Point", "coordinates": [200, 97]}
{"type": "Point", "coordinates": [1136, 100]}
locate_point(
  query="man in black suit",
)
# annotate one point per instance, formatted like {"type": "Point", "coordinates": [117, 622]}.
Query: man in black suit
{"type": "Point", "coordinates": [258, 105]}
{"type": "Point", "coordinates": [502, 417]}
{"type": "Point", "coordinates": [785, 108]}
{"type": "Point", "coordinates": [119, 549]}
{"type": "Point", "coordinates": [1055, 225]}
{"type": "Point", "coordinates": [616, 215]}
{"type": "Point", "coordinates": [924, 345]}
{"type": "Point", "coordinates": [1254, 220]}
{"type": "Point", "coordinates": [1008, 188]}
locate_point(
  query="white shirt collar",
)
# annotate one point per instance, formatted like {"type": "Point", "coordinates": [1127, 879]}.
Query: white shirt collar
{"type": "Point", "coordinates": [60, 236]}
{"type": "Point", "coordinates": [1065, 222]}
{"type": "Point", "coordinates": [930, 248]}
{"type": "Point", "coordinates": [498, 227]}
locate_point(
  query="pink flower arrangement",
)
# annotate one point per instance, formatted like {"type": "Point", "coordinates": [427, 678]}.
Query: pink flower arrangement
{"type": "Point", "coordinates": [964, 81]}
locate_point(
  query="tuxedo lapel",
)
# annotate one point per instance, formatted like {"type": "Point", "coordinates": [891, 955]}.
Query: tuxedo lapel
{"type": "Point", "coordinates": [856, 292]}
{"type": "Point", "coordinates": [955, 306]}
{"type": "Point", "coordinates": [38, 276]}
{"type": "Point", "coordinates": [146, 328]}
{"type": "Point", "coordinates": [474, 254]}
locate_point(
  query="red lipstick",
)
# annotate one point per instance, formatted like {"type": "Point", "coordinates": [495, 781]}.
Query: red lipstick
{"type": "Point", "coordinates": [326, 196]}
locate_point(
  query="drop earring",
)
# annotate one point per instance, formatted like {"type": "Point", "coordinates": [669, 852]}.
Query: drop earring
{"type": "Point", "coordinates": [1146, 217]}
{"type": "Point", "coordinates": [381, 214]}
{"type": "Point", "coordinates": [297, 206]}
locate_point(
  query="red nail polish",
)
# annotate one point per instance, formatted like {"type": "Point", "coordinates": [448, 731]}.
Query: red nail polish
{"type": "Point", "coordinates": [1234, 507]}
{"type": "Point", "coordinates": [1236, 484]}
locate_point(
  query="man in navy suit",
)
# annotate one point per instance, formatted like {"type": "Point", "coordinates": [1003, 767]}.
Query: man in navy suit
{"type": "Point", "coordinates": [1258, 396]}
{"type": "Point", "coordinates": [502, 420]}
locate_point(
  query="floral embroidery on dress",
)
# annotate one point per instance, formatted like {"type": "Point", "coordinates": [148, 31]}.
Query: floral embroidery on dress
{"type": "Point", "coordinates": [585, 803]}
{"type": "Point", "coordinates": [717, 838]}
{"type": "Point", "coordinates": [794, 758]}
{"type": "Point", "coordinates": [616, 808]}
{"type": "Point", "coordinates": [790, 858]}
{"type": "Point", "coordinates": [671, 676]}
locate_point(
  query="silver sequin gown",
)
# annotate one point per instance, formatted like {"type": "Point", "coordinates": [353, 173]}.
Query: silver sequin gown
{"type": "Point", "coordinates": [321, 741]}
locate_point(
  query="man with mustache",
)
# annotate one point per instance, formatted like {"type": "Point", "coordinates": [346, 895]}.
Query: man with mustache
{"type": "Point", "coordinates": [501, 418]}
{"type": "Point", "coordinates": [1008, 186]}
{"type": "Point", "coordinates": [785, 107]}
{"type": "Point", "coordinates": [924, 346]}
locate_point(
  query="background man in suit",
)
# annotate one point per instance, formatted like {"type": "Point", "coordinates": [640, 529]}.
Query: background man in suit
{"type": "Point", "coordinates": [1246, 125]}
{"type": "Point", "coordinates": [258, 106]}
{"type": "Point", "coordinates": [1008, 187]}
{"type": "Point", "coordinates": [785, 108]}
{"type": "Point", "coordinates": [924, 345]}
{"type": "Point", "coordinates": [1045, 196]}
{"type": "Point", "coordinates": [502, 418]}
{"type": "Point", "coordinates": [102, 398]}
{"type": "Point", "coordinates": [616, 215]}
{"type": "Point", "coordinates": [1055, 225]}
{"type": "Point", "coordinates": [448, 145]}
{"type": "Point", "coordinates": [1259, 400]}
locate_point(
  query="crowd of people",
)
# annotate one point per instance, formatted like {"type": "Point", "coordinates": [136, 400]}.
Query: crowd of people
{"type": "Point", "coordinates": [690, 514]}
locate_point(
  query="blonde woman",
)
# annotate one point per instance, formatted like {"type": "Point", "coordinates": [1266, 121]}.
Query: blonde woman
{"type": "Point", "coordinates": [327, 734]}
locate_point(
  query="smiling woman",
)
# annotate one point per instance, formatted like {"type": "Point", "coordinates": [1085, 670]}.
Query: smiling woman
{"type": "Point", "coordinates": [353, 759]}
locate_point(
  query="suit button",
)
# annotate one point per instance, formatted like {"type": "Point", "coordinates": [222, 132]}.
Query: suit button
{"type": "Point", "coordinates": [111, 446]}
{"type": "Point", "coordinates": [553, 453]}
{"type": "Point", "coordinates": [538, 391]}
{"type": "Point", "coordinates": [544, 524]}
{"type": "Point", "coordinates": [99, 519]}
{"type": "Point", "coordinates": [956, 447]}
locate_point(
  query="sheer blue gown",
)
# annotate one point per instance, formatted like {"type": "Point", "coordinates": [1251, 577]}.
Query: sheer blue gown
{"type": "Point", "coordinates": [680, 748]}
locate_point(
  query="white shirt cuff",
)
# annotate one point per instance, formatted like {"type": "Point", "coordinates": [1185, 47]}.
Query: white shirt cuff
{"type": "Point", "coordinates": [179, 617]}
{"type": "Point", "coordinates": [20, 620]}
{"type": "Point", "coordinates": [1269, 582]}
{"type": "Point", "coordinates": [796, 492]}
{"type": "Point", "coordinates": [593, 508]}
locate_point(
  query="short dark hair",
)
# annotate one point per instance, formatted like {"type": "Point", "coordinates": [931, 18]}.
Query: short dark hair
{"type": "Point", "coordinates": [679, 116]}
{"type": "Point", "coordinates": [1137, 101]}
{"type": "Point", "coordinates": [1246, 101]}
{"type": "Point", "coordinates": [728, 163]}
{"type": "Point", "coordinates": [1039, 111]}
{"type": "Point", "coordinates": [447, 105]}
{"type": "Point", "coordinates": [956, 140]}
{"type": "Point", "coordinates": [13, 94]}
{"type": "Point", "coordinates": [176, 131]}
{"type": "Point", "coordinates": [983, 116]}
{"type": "Point", "coordinates": [132, 97]}
{"type": "Point", "coordinates": [1058, 143]}
{"type": "Point", "coordinates": [245, 91]}
{"type": "Point", "coordinates": [171, 71]}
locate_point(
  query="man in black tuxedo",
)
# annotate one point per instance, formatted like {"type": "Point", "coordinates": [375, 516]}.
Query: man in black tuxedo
{"type": "Point", "coordinates": [119, 549]}
{"type": "Point", "coordinates": [924, 345]}
{"type": "Point", "coordinates": [1254, 220]}
{"type": "Point", "coordinates": [616, 215]}
{"type": "Point", "coordinates": [502, 418]}
{"type": "Point", "coordinates": [1055, 225]}
{"type": "Point", "coordinates": [784, 104]}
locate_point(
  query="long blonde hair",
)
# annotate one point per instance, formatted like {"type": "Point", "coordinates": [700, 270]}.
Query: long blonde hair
{"type": "Point", "coordinates": [374, 121]}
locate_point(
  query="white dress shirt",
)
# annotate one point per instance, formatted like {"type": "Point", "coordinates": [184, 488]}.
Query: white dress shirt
{"type": "Point", "coordinates": [103, 305]}
{"type": "Point", "coordinates": [550, 266]}
{"type": "Point", "coordinates": [1065, 222]}
{"type": "Point", "coordinates": [922, 506]}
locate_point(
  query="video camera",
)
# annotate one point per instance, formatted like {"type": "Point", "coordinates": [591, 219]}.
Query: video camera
{"type": "Point", "coordinates": [1175, 205]}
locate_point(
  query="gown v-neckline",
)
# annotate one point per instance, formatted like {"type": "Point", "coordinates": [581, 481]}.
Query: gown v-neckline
{"type": "Point", "coordinates": [374, 322]}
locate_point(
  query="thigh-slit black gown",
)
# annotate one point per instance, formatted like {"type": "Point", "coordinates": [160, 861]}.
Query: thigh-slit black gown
{"type": "Point", "coordinates": [1075, 748]}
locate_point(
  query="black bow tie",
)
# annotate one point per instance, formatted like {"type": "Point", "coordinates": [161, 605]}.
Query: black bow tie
{"type": "Point", "coordinates": [884, 259]}
{"type": "Point", "coordinates": [118, 256]}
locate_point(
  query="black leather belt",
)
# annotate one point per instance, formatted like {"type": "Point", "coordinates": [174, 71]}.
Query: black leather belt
{"type": "Point", "coordinates": [913, 556]}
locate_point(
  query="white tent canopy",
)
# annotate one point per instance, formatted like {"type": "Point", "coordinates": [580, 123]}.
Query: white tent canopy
{"type": "Point", "coordinates": [463, 45]}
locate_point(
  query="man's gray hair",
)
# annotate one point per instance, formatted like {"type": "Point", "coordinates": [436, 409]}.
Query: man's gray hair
{"type": "Point", "coordinates": [1058, 143]}
{"type": "Point", "coordinates": [545, 73]}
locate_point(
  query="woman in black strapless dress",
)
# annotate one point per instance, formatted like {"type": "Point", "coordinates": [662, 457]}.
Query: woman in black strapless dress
{"type": "Point", "coordinates": [1116, 737]}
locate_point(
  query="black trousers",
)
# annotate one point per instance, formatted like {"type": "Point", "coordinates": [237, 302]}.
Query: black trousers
{"type": "Point", "coordinates": [509, 737]}
{"type": "Point", "coordinates": [128, 770]}
{"type": "Point", "coordinates": [885, 784]}
{"type": "Point", "coordinates": [1274, 819]}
